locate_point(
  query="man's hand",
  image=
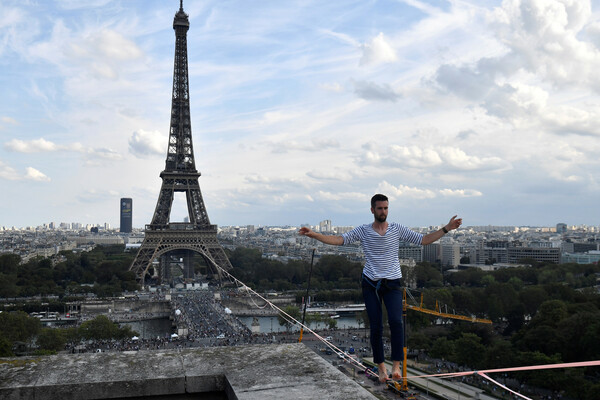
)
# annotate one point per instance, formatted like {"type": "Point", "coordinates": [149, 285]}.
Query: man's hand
{"type": "Point", "coordinates": [304, 231]}
{"type": "Point", "coordinates": [454, 223]}
{"type": "Point", "coordinates": [327, 239]}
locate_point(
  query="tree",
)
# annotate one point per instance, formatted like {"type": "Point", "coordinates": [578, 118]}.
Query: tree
{"type": "Point", "coordinates": [51, 339]}
{"type": "Point", "coordinates": [360, 319]}
{"type": "Point", "coordinates": [442, 348]}
{"type": "Point", "coordinates": [541, 378]}
{"type": "Point", "coordinates": [419, 341]}
{"type": "Point", "coordinates": [9, 263]}
{"type": "Point", "coordinates": [516, 283]}
{"type": "Point", "coordinates": [501, 298]}
{"type": "Point", "coordinates": [332, 323]}
{"type": "Point", "coordinates": [5, 347]}
{"type": "Point", "coordinates": [469, 349]}
{"type": "Point", "coordinates": [8, 286]}
{"type": "Point", "coordinates": [532, 298]}
{"type": "Point", "coordinates": [500, 355]}
{"type": "Point", "coordinates": [313, 318]}
{"type": "Point", "coordinates": [18, 326]}
{"type": "Point", "coordinates": [284, 320]}
{"type": "Point", "coordinates": [465, 299]}
{"type": "Point", "coordinates": [515, 318]}
{"type": "Point", "coordinates": [550, 313]}
{"type": "Point", "coordinates": [541, 338]}
{"type": "Point", "coordinates": [581, 333]}
{"type": "Point", "coordinates": [102, 328]}
{"type": "Point", "coordinates": [426, 274]}
{"type": "Point", "coordinates": [487, 280]}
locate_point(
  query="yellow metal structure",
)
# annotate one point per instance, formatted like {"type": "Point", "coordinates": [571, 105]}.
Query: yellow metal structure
{"type": "Point", "coordinates": [436, 312]}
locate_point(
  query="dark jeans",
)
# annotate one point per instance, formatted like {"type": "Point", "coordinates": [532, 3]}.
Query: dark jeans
{"type": "Point", "coordinates": [390, 292]}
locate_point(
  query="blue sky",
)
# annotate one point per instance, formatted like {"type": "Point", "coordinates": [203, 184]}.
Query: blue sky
{"type": "Point", "coordinates": [302, 110]}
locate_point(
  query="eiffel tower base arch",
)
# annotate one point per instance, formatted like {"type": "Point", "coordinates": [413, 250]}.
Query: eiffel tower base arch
{"type": "Point", "coordinates": [158, 244]}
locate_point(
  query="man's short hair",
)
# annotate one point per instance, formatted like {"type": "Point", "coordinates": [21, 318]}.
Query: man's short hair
{"type": "Point", "coordinates": [376, 198]}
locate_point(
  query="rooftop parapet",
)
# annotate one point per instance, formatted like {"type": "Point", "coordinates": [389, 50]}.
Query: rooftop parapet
{"type": "Point", "coordinates": [288, 371]}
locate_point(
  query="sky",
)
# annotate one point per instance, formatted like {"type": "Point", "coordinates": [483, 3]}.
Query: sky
{"type": "Point", "coordinates": [302, 110]}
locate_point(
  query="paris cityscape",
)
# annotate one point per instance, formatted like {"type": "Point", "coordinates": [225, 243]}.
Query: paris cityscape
{"type": "Point", "coordinates": [479, 244]}
{"type": "Point", "coordinates": [222, 311]}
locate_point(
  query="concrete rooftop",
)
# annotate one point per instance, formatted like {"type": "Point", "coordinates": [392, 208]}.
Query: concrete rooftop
{"type": "Point", "coordinates": [287, 371]}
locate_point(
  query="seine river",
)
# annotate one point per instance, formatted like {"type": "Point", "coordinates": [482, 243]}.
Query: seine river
{"type": "Point", "coordinates": [153, 328]}
{"type": "Point", "coordinates": [271, 324]}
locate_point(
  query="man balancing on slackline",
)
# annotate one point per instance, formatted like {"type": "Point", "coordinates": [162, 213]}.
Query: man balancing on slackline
{"type": "Point", "coordinates": [381, 275]}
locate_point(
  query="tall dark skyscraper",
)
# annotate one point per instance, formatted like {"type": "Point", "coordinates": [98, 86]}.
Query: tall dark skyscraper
{"type": "Point", "coordinates": [126, 215]}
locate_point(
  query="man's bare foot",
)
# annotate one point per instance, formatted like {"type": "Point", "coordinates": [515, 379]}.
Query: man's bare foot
{"type": "Point", "coordinates": [396, 374]}
{"type": "Point", "coordinates": [383, 375]}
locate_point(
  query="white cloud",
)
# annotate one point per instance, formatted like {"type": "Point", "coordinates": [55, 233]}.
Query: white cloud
{"type": "Point", "coordinates": [35, 175]}
{"type": "Point", "coordinates": [332, 87]}
{"type": "Point", "coordinates": [346, 39]}
{"type": "Point", "coordinates": [97, 195]}
{"type": "Point", "coordinates": [402, 191]}
{"type": "Point", "coordinates": [546, 36]}
{"type": "Point", "coordinates": [256, 178]}
{"type": "Point", "coordinates": [550, 55]}
{"type": "Point", "coordinates": [99, 52]}
{"type": "Point", "coordinates": [9, 120]}
{"type": "Point", "coordinates": [102, 51]}
{"type": "Point", "coordinates": [11, 174]}
{"type": "Point", "coordinates": [328, 175]}
{"type": "Point", "coordinates": [98, 154]}
{"type": "Point", "coordinates": [465, 81]}
{"type": "Point", "coordinates": [592, 32]}
{"type": "Point", "coordinates": [31, 146]}
{"type": "Point", "coordinates": [309, 146]}
{"type": "Point", "coordinates": [378, 51]}
{"type": "Point", "coordinates": [460, 192]}
{"type": "Point", "coordinates": [456, 101]}
{"type": "Point", "coordinates": [353, 196]}
{"type": "Point", "coordinates": [274, 117]}
{"type": "Point", "coordinates": [7, 172]}
{"type": "Point", "coordinates": [420, 157]}
{"type": "Point", "coordinates": [374, 91]}
{"type": "Point", "coordinates": [147, 143]}
{"type": "Point", "coordinates": [42, 145]}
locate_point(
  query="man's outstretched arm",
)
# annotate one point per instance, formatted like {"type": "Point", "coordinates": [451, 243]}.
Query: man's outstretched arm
{"type": "Point", "coordinates": [327, 239]}
{"type": "Point", "coordinates": [433, 236]}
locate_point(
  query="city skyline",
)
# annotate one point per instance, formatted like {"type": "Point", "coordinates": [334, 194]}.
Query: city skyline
{"type": "Point", "coordinates": [302, 111]}
{"type": "Point", "coordinates": [76, 225]}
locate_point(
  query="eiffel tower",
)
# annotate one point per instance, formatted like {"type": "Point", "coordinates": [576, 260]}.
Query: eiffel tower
{"type": "Point", "coordinates": [164, 239]}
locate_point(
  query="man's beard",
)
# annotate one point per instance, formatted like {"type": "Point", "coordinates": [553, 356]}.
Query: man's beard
{"type": "Point", "coordinates": [381, 218]}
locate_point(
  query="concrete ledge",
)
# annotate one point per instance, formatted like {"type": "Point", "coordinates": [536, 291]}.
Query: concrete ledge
{"type": "Point", "coordinates": [240, 372]}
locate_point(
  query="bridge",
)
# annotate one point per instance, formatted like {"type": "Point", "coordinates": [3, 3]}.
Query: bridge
{"type": "Point", "coordinates": [343, 310]}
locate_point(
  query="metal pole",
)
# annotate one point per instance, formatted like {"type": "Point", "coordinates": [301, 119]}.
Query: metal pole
{"type": "Point", "coordinates": [404, 344]}
{"type": "Point", "coordinates": [312, 258]}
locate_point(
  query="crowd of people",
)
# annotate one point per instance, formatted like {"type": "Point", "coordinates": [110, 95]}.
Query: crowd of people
{"type": "Point", "coordinates": [205, 317]}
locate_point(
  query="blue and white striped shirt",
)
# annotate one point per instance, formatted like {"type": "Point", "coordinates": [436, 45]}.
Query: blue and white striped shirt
{"type": "Point", "coordinates": [381, 251]}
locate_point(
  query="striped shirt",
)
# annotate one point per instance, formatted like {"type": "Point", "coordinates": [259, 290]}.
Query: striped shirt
{"type": "Point", "coordinates": [381, 251]}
